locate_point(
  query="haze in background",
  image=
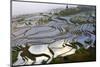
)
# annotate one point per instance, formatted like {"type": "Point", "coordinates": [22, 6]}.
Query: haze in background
{"type": "Point", "coordinates": [19, 8]}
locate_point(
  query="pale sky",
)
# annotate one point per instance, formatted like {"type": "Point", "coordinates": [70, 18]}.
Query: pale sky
{"type": "Point", "coordinates": [19, 8]}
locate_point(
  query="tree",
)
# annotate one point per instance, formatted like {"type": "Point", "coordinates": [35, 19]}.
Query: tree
{"type": "Point", "coordinates": [67, 6]}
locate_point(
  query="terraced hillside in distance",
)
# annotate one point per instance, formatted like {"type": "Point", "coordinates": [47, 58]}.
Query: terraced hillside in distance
{"type": "Point", "coordinates": [59, 35]}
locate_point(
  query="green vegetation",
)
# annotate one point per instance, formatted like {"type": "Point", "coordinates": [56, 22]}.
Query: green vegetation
{"type": "Point", "coordinates": [86, 8]}
{"type": "Point", "coordinates": [21, 19]}
{"type": "Point", "coordinates": [83, 55]}
{"type": "Point", "coordinates": [79, 19]}
{"type": "Point", "coordinates": [82, 19]}
{"type": "Point", "coordinates": [57, 60]}
{"type": "Point", "coordinates": [80, 55]}
{"type": "Point", "coordinates": [14, 56]}
{"type": "Point", "coordinates": [44, 20]}
{"type": "Point", "coordinates": [69, 11]}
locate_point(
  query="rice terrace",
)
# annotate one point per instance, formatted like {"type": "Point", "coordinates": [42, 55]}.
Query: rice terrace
{"type": "Point", "coordinates": [50, 33]}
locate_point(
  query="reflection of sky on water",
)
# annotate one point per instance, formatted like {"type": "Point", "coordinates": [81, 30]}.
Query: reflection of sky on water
{"type": "Point", "coordinates": [28, 7]}
{"type": "Point", "coordinates": [48, 34]}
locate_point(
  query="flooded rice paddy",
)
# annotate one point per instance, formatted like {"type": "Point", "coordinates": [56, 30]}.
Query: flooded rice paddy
{"type": "Point", "coordinates": [50, 38]}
